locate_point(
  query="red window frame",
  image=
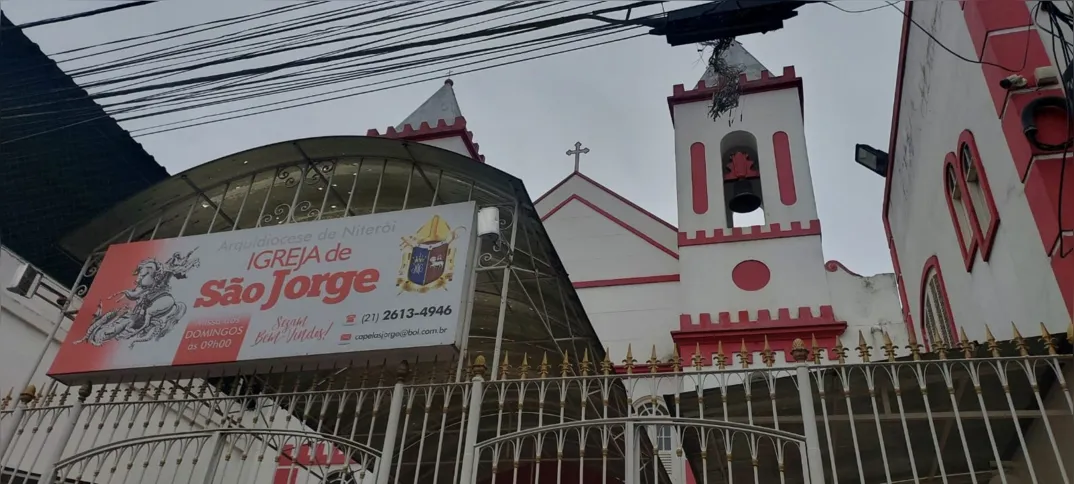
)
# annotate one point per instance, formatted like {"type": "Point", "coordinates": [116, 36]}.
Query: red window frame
{"type": "Point", "coordinates": [933, 265]}
{"type": "Point", "coordinates": [984, 235]}
{"type": "Point", "coordinates": [968, 248]}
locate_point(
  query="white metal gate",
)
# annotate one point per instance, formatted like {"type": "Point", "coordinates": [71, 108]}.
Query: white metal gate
{"type": "Point", "coordinates": [223, 456]}
{"type": "Point", "coordinates": [619, 450]}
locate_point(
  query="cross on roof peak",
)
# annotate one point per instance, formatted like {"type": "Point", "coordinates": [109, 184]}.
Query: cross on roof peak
{"type": "Point", "coordinates": [578, 151]}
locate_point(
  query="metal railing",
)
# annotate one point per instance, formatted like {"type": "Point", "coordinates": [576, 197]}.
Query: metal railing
{"type": "Point", "coordinates": [999, 411]}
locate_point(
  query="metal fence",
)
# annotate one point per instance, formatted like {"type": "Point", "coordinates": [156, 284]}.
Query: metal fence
{"type": "Point", "coordinates": [994, 412]}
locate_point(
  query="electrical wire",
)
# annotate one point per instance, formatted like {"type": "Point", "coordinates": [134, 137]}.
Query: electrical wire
{"type": "Point", "coordinates": [512, 29]}
{"type": "Point", "coordinates": [212, 24]}
{"type": "Point", "coordinates": [537, 5]}
{"type": "Point", "coordinates": [147, 132]}
{"type": "Point", "coordinates": [500, 52]}
{"type": "Point", "coordinates": [521, 28]}
{"type": "Point", "coordinates": [80, 15]}
{"type": "Point", "coordinates": [378, 67]}
{"type": "Point", "coordinates": [24, 105]}
{"type": "Point", "coordinates": [1057, 17]}
{"type": "Point", "coordinates": [929, 34]}
{"type": "Point", "coordinates": [163, 100]}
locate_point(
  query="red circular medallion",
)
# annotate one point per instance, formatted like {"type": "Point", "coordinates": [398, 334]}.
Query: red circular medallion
{"type": "Point", "coordinates": [751, 275]}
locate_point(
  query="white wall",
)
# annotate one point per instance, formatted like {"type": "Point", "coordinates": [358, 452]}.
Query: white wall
{"type": "Point", "coordinates": [592, 247]}
{"type": "Point", "coordinates": [941, 97]}
{"type": "Point", "coordinates": [641, 315]}
{"type": "Point", "coordinates": [797, 280]}
{"type": "Point", "coordinates": [646, 224]}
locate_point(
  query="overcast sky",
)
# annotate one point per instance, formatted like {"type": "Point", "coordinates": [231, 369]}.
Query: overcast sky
{"type": "Point", "coordinates": [611, 98]}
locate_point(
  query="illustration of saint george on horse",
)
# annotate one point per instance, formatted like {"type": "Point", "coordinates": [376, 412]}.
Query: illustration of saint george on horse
{"type": "Point", "coordinates": [149, 311]}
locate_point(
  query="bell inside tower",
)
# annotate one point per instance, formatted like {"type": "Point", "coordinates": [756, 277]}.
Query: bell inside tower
{"type": "Point", "coordinates": [741, 179]}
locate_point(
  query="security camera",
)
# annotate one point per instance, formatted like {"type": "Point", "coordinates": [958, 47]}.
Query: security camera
{"type": "Point", "coordinates": [1012, 82]}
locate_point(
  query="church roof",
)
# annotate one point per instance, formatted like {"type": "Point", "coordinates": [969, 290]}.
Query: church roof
{"type": "Point", "coordinates": [737, 55]}
{"type": "Point", "coordinates": [442, 105]}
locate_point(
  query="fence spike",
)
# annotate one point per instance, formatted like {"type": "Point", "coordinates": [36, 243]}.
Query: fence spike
{"type": "Point", "coordinates": [767, 355]}
{"type": "Point", "coordinates": [654, 362]}
{"type": "Point", "coordinates": [629, 361]}
{"type": "Point", "coordinates": [863, 348]}
{"type": "Point", "coordinates": [968, 348]}
{"type": "Point", "coordinates": [721, 359]}
{"type": "Point", "coordinates": [676, 360]}
{"type": "Point", "coordinates": [838, 352]}
{"type": "Point", "coordinates": [544, 367]}
{"type": "Point", "coordinates": [744, 354]}
{"type": "Point", "coordinates": [505, 366]}
{"type": "Point", "coordinates": [993, 346]}
{"type": "Point", "coordinates": [524, 367]}
{"type": "Point", "coordinates": [1049, 341]}
{"type": "Point", "coordinates": [696, 360]}
{"type": "Point", "coordinates": [606, 365]}
{"type": "Point", "coordinates": [889, 347]}
{"type": "Point", "coordinates": [1019, 341]}
{"type": "Point", "coordinates": [815, 348]}
{"type": "Point", "coordinates": [585, 365]}
{"type": "Point", "coordinates": [565, 365]}
{"type": "Point", "coordinates": [913, 346]}
{"type": "Point", "coordinates": [940, 348]}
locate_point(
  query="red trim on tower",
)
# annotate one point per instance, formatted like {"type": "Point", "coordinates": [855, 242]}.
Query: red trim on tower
{"type": "Point", "coordinates": [968, 248]}
{"type": "Point", "coordinates": [781, 145]}
{"type": "Point", "coordinates": [755, 232]}
{"type": "Point", "coordinates": [780, 331]}
{"type": "Point", "coordinates": [609, 192]}
{"type": "Point", "coordinates": [990, 24]}
{"type": "Point", "coordinates": [834, 265]}
{"type": "Point", "coordinates": [908, 11]}
{"type": "Point", "coordinates": [424, 132]}
{"type": "Point", "coordinates": [627, 281]}
{"type": "Point", "coordinates": [933, 264]}
{"type": "Point", "coordinates": [613, 218]}
{"type": "Point", "coordinates": [985, 235]}
{"type": "Point", "coordinates": [699, 178]}
{"type": "Point", "coordinates": [702, 92]}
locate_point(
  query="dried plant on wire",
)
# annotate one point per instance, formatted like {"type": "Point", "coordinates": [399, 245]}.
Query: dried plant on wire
{"type": "Point", "coordinates": [726, 77]}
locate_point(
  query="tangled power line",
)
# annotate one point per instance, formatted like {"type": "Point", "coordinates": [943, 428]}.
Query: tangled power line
{"type": "Point", "coordinates": [309, 53]}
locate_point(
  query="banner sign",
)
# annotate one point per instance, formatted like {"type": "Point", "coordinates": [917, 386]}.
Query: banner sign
{"type": "Point", "coordinates": [357, 284]}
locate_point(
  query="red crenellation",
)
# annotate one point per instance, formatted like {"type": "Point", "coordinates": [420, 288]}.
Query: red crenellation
{"type": "Point", "coordinates": [756, 232]}
{"type": "Point", "coordinates": [779, 332]}
{"type": "Point", "coordinates": [424, 132]}
{"type": "Point", "coordinates": [767, 82]}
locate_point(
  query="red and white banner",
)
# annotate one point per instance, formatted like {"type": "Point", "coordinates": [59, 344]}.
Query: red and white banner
{"type": "Point", "coordinates": [375, 282]}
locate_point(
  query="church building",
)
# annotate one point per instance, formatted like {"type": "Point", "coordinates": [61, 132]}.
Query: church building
{"type": "Point", "coordinates": [705, 285]}
{"type": "Point", "coordinates": [976, 221]}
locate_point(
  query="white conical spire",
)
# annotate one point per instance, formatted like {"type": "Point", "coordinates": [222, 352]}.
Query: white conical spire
{"type": "Point", "coordinates": [737, 55]}
{"type": "Point", "coordinates": [442, 105]}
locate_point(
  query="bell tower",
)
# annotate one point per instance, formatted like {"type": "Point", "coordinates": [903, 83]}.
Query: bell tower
{"type": "Point", "coordinates": [768, 273]}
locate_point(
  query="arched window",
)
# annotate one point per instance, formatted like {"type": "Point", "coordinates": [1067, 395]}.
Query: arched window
{"type": "Point", "coordinates": [981, 206]}
{"type": "Point", "coordinates": [661, 434]}
{"type": "Point", "coordinates": [955, 195]}
{"type": "Point", "coordinates": [937, 323]}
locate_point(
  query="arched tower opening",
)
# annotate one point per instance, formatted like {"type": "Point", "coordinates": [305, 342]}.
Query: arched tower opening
{"type": "Point", "coordinates": [743, 199]}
